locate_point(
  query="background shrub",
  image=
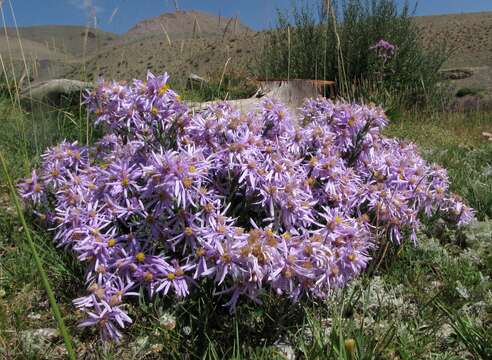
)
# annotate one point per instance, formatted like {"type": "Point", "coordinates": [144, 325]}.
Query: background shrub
{"type": "Point", "coordinates": [318, 41]}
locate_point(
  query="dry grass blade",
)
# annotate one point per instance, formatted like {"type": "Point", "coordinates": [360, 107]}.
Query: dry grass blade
{"type": "Point", "coordinates": [166, 33]}
{"type": "Point", "coordinates": [223, 74]}
{"type": "Point", "coordinates": [113, 14]}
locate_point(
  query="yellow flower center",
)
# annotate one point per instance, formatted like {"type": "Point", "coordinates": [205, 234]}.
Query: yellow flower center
{"type": "Point", "coordinates": [200, 252]}
{"type": "Point", "coordinates": [308, 250]}
{"type": "Point", "coordinates": [140, 257]}
{"type": "Point", "coordinates": [226, 258]}
{"type": "Point", "coordinates": [148, 276]}
{"type": "Point", "coordinates": [163, 89]}
{"type": "Point", "coordinates": [310, 181]}
{"type": "Point", "coordinates": [245, 250]}
{"type": "Point", "coordinates": [187, 182]}
{"type": "Point", "coordinates": [288, 273]}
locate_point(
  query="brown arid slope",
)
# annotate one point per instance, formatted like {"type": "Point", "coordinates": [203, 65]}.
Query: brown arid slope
{"type": "Point", "coordinates": [468, 35]}
{"type": "Point", "coordinates": [187, 42]}
{"type": "Point", "coordinates": [39, 60]}
{"type": "Point", "coordinates": [50, 51]}
{"type": "Point", "coordinates": [187, 24]}
{"type": "Point", "coordinates": [180, 43]}
{"type": "Point", "coordinates": [72, 40]}
{"type": "Point", "coordinates": [206, 57]}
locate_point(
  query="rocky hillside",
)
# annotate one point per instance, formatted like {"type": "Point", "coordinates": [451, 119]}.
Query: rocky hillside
{"type": "Point", "coordinates": [468, 35]}
{"type": "Point", "coordinates": [180, 43]}
{"type": "Point", "coordinates": [69, 40]}
{"type": "Point", "coordinates": [187, 24]}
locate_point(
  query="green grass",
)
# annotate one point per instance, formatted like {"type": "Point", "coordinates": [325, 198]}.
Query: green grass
{"type": "Point", "coordinates": [26, 135]}
{"type": "Point", "coordinates": [431, 301]}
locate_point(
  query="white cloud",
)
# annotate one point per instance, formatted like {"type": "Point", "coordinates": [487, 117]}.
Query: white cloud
{"type": "Point", "coordinates": [91, 9]}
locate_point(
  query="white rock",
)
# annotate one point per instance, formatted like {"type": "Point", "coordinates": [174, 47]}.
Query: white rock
{"type": "Point", "coordinates": [38, 340]}
{"type": "Point", "coordinates": [287, 351]}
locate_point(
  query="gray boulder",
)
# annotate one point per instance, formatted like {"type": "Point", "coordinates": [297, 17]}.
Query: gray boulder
{"type": "Point", "coordinates": [54, 92]}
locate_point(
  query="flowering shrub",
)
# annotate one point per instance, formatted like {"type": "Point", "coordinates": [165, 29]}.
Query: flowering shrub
{"type": "Point", "coordinates": [168, 197]}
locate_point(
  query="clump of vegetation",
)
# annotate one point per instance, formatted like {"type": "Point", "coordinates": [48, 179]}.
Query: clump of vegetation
{"type": "Point", "coordinates": [337, 43]}
{"type": "Point", "coordinates": [166, 198]}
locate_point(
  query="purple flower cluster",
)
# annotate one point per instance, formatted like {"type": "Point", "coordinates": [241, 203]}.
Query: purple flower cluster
{"type": "Point", "coordinates": [251, 201]}
{"type": "Point", "coordinates": [384, 50]}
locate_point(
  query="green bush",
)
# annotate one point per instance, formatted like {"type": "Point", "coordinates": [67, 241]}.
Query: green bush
{"type": "Point", "coordinates": [313, 41]}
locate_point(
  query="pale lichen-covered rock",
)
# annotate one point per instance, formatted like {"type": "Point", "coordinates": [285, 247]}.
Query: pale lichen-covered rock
{"type": "Point", "coordinates": [53, 91]}
{"type": "Point", "coordinates": [38, 340]}
{"type": "Point", "coordinates": [292, 93]}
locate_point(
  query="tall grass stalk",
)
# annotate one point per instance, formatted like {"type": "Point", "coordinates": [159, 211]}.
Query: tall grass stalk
{"type": "Point", "coordinates": [290, 52]}
{"type": "Point", "coordinates": [27, 72]}
{"type": "Point", "coordinates": [39, 265]}
{"type": "Point", "coordinates": [12, 67]}
{"type": "Point", "coordinates": [223, 74]}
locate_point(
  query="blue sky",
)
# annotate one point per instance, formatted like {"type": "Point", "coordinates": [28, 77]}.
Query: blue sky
{"type": "Point", "coordinates": [120, 15]}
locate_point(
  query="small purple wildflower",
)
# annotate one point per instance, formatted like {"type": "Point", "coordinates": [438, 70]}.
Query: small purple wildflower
{"type": "Point", "coordinates": [384, 49]}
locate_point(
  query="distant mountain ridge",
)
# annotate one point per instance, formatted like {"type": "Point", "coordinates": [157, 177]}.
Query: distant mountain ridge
{"type": "Point", "coordinates": [69, 39]}
{"type": "Point", "coordinates": [186, 24]}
